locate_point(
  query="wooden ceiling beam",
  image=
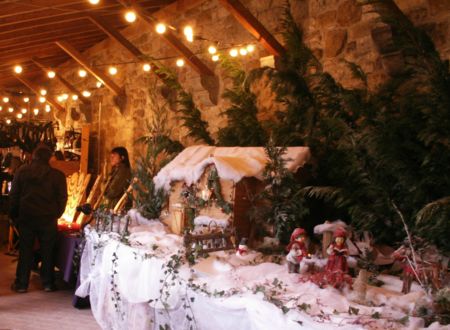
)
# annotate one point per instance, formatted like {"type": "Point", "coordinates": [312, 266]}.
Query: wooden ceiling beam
{"type": "Point", "coordinates": [61, 79]}
{"type": "Point", "coordinates": [35, 89]}
{"type": "Point", "coordinates": [252, 25]}
{"type": "Point", "coordinates": [82, 60]}
{"type": "Point", "coordinates": [188, 55]}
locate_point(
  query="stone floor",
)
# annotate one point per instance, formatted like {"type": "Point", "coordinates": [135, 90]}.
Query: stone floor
{"type": "Point", "coordinates": [37, 309]}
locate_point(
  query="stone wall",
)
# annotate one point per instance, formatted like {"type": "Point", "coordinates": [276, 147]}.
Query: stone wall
{"type": "Point", "coordinates": [336, 30]}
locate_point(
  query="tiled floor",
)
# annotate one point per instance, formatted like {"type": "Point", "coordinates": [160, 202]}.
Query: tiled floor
{"type": "Point", "coordinates": [37, 309]}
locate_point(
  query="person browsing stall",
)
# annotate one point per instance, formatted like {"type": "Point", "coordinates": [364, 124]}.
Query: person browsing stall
{"type": "Point", "coordinates": [38, 198]}
{"type": "Point", "coordinates": [119, 178]}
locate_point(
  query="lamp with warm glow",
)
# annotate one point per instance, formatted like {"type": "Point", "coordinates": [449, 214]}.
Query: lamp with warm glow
{"type": "Point", "coordinates": [94, 2]}
{"type": "Point", "coordinates": [8, 121]}
{"type": "Point", "coordinates": [6, 99]}
{"type": "Point", "coordinates": [243, 51]}
{"type": "Point", "coordinates": [51, 74]}
{"type": "Point", "coordinates": [1, 108]}
{"type": "Point", "coordinates": [19, 116]}
{"type": "Point", "coordinates": [10, 109]}
{"type": "Point", "coordinates": [47, 108]}
{"type": "Point", "coordinates": [43, 92]}
{"type": "Point", "coordinates": [130, 16]}
{"type": "Point", "coordinates": [234, 52]}
{"type": "Point", "coordinates": [212, 50]}
{"type": "Point", "coordinates": [26, 99]}
{"type": "Point", "coordinates": [86, 93]}
{"type": "Point", "coordinates": [18, 69]}
{"type": "Point", "coordinates": [112, 70]}
{"type": "Point", "coordinates": [65, 96]}
{"type": "Point", "coordinates": [82, 73]}
{"type": "Point", "coordinates": [189, 33]}
{"type": "Point", "coordinates": [36, 111]}
{"type": "Point", "coordinates": [146, 67]}
{"type": "Point", "coordinates": [42, 99]}
{"type": "Point", "coordinates": [99, 84]}
{"type": "Point", "coordinates": [215, 58]}
{"type": "Point", "coordinates": [180, 62]}
{"type": "Point", "coordinates": [161, 28]}
{"type": "Point", "coordinates": [250, 48]}
{"type": "Point", "coordinates": [24, 111]}
{"type": "Point", "coordinates": [74, 97]}
{"type": "Point", "coordinates": [60, 98]}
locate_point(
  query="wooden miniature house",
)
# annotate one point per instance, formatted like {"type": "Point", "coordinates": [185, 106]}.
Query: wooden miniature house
{"type": "Point", "coordinates": [238, 174]}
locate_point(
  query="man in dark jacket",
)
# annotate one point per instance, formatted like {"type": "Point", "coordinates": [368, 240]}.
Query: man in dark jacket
{"type": "Point", "coordinates": [38, 198]}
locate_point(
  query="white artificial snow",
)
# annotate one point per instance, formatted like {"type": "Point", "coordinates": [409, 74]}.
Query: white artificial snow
{"type": "Point", "coordinates": [140, 270]}
{"type": "Point", "coordinates": [204, 220]}
{"type": "Point", "coordinates": [232, 163]}
{"type": "Point", "coordinates": [332, 226]}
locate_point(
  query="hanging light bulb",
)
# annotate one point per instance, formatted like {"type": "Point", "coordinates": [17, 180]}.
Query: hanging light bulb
{"type": "Point", "coordinates": [212, 50]}
{"type": "Point", "coordinates": [82, 73]}
{"type": "Point", "coordinates": [43, 92]}
{"type": "Point", "coordinates": [19, 116]}
{"type": "Point", "coordinates": [86, 93]}
{"type": "Point", "coordinates": [6, 99]}
{"type": "Point", "coordinates": [74, 97]}
{"type": "Point", "coordinates": [24, 111]}
{"type": "Point", "coordinates": [60, 98]}
{"type": "Point", "coordinates": [189, 33]}
{"type": "Point", "coordinates": [10, 109]}
{"type": "Point", "coordinates": [99, 84]}
{"type": "Point", "coordinates": [243, 51]}
{"type": "Point", "coordinates": [94, 2]}
{"type": "Point", "coordinates": [180, 62]}
{"type": "Point", "coordinates": [1, 108]}
{"type": "Point", "coordinates": [215, 58]}
{"type": "Point", "coordinates": [42, 99]}
{"type": "Point", "coordinates": [146, 67]}
{"type": "Point", "coordinates": [26, 99]}
{"type": "Point", "coordinates": [36, 111]}
{"type": "Point", "coordinates": [112, 70]}
{"type": "Point", "coordinates": [130, 16]}
{"type": "Point", "coordinates": [8, 121]}
{"type": "Point", "coordinates": [51, 74]}
{"type": "Point", "coordinates": [161, 28]}
{"type": "Point", "coordinates": [250, 48]}
{"type": "Point", "coordinates": [234, 52]}
{"type": "Point", "coordinates": [48, 108]}
{"type": "Point", "coordinates": [65, 96]}
{"type": "Point", "coordinates": [18, 69]}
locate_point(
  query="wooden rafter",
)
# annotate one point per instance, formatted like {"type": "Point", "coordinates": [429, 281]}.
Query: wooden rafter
{"type": "Point", "coordinates": [188, 55]}
{"type": "Point", "coordinates": [35, 89]}
{"type": "Point", "coordinates": [252, 25]}
{"type": "Point", "coordinates": [63, 81]}
{"type": "Point", "coordinates": [83, 61]}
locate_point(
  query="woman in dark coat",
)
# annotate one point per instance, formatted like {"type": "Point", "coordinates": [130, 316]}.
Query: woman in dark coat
{"type": "Point", "coordinates": [119, 178]}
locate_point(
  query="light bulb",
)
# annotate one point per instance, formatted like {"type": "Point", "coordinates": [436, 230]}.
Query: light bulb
{"type": "Point", "coordinates": [130, 16]}
{"type": "Point", "coordinates": [19, 116]}
{"type": "Point", "coordinates": [94, 2]}
{"type": "Point", "coordinates": [43, 92]}
{"type": "Point", "coordinates": [6, 99]}
{"type": "Point", "coordinates": [161, 28]}
{"type": "Point", "coordinates": [60, 98]}
{"type": "Point", "coordinates": [24, 111]}
{"type": "Point", "coordinates": [99, 84]}
{"type": "Point", "coordinates": [82, 73]}
{"type": "Point", "coordinates": [86, 93]}
{"type": "Point", "coordinates": [180, 62]}
{"type": "Point", "coordinates": [74, 97]}
{"type": "Point", "coordinates": [243, 51]}
{"type": "Point", "coordinates": [112, 70]}
{"type": "Point", "coordinates": [10, 109]}
{"type": "Point", "coordinates": [1, 108]}
{"type": "Point", "coordinates": [250, 48]}
{"type": "Point", "coordinates": [212, 50]}
{"type": "Point", "coordinates": [51, 74]}
{"type": "Point", "coordinates": [18, 69]}
{"type": "Point", "coordinates": [42, 99]}
{"type": "Point", "coordinates": [234, 52]}
{"type": "Point", "coordinates": [215, 58]}
{"type": "Point", "coordinates": [65, 96]}
{"type": "Point", "coordinates": [189, 33]}
{"type": "Point", "coordinates": [146, 67]}
{"type": "Point", "coordinates": [47, 108]}
{"type": "Point", "coordinates": [8, 121]}
{"type": "Point", "coordinates": [36, 111]}
{"type": "Point", "coordinates": [26, 99]}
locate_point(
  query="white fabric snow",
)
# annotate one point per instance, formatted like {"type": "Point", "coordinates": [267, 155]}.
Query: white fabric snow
{"type": "Point", "coordinates": [232, 163]}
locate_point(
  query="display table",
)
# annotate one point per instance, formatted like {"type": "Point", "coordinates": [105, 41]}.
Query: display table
{"type": "Point", "coordinates": [67, 245]}
{"type": "Point", "coordinates": [140, 282]}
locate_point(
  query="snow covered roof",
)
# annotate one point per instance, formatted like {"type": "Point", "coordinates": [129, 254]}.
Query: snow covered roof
{"type": "Point", "coordinates": [232, 163]}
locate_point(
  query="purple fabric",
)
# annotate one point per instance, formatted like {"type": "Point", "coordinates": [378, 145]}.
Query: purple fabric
{"type": "Point", "coordinates": [66, 247]}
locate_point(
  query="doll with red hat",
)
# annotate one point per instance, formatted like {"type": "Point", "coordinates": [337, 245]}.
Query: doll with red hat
{"type": "Point", "coordinates": [338, 252]}
{"type": "Point", "coordinates": [297, 250]}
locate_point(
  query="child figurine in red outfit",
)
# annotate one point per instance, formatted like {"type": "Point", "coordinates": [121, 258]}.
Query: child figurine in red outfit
{"type": "Point", "coordinates": [337, 253]}
{"type": "Point", "coordinates": [297, 250]}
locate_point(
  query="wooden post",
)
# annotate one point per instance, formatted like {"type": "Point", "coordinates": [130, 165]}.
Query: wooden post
{"type": "Point", "coordinates": [84, 149]}
{"type": "Point", "coordinates": [252, 25]}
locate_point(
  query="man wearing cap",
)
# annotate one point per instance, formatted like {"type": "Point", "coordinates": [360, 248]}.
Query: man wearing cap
{"type": "Point", "coordinates": [38, 198]}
